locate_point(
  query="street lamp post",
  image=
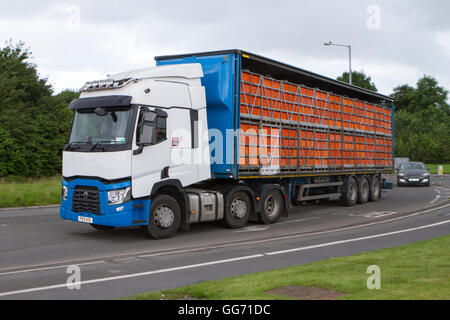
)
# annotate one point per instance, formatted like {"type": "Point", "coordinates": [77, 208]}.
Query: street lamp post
{"type": "Point", "coordinates": [349, 56]}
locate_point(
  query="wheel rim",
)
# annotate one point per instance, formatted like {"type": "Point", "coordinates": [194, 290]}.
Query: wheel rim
{"type": "Point", "coordinates": [352, 191]}
{"type": "Point", "coordinates": [238, 208]}
{"type": "Point", "coordinates": [271, 206]}
{"type": "Point", "coordinates": [164, 217]}
{"type": "Point", "coordinates": [376, 188]}
{"type": "Point", "coordinates": [365, 190]}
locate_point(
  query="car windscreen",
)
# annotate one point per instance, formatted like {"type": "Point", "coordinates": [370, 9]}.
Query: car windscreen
{"type": "Point", "coordinates": [414, 166]}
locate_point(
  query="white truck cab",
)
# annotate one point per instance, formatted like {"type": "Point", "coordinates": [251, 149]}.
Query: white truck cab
{"type": "Point", "coordinates": [131, 132]}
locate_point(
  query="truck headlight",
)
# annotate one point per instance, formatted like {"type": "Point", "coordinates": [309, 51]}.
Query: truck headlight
{"type": "Point", "coordinates": [119, 196]}
{"type": "Point", "coordinates": [64, 192]}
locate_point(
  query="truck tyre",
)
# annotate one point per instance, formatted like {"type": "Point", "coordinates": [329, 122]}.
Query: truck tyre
{"type": "Point", "coordinates": [271, 207]}
{"type": "Point", "coordinates": [238, 210]}
{"type": "Point", "coordinates": [165, 218]}
{"type": "Point", "coordinates": [363, 190]}
{"type": "Point", "coordinates": [375, 188]}
{"type": "Point", "coordinates": [350, 194]}
{"type": "Point", "coordinates": [102, 228]}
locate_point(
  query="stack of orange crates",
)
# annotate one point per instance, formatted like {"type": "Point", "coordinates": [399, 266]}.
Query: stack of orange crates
{"type": "Point", "coordinates": [303, 129]}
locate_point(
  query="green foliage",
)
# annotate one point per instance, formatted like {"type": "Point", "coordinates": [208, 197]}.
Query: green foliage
{"type": "Point", "coordinates": [33, 123]}
{"type": "Point", "coordinates": [25, 192]}
{"type": "Point", "coordinates": [422, 122]}
{"type": "Point", "coordinates": [417, 271]}
{"type": "Point", "coordinates": [360, 79]}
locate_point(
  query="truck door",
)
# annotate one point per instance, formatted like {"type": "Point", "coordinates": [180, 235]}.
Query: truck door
{"type": "Point", "coordinates": [151, 152]}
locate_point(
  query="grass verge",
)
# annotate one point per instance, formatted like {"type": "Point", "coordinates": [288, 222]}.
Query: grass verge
{"type": "Point", "coordinates": [418, 271]}
{"type": "Point", "coordinates": [33, 192]}
{"type": "Point", "coordinates": [434, 168]}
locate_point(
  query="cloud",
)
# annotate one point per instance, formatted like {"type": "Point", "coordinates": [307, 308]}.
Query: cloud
{"type": "Point", "coordinates": [73, 41]}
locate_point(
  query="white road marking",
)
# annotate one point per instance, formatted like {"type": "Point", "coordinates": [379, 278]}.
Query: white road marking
{"type": "Point", "coordinates": [374, 214]}
{"type": "Point", "coordinates": [49, 268]}
{"type": "Point", "coordinates": [435, 199]}
{"type": "Point", "coordinates": [129, 259]}
{"type": "Point", "coordinates": [251, 229]}
{"type": "Point", "coordinates": [356, 239]}
{"type": "Point", "coordinates": [297, 220]}
{"type": "Point", "coordinates": [134, 275]}
{"type": "Point", "coordinates": [193, 266]}
{"type": "Point", "coordinates": [3, 225]}
{"type": "Point", "coordinates": [148, 254]}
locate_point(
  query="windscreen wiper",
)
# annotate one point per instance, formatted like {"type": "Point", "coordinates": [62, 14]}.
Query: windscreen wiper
{"type": "Point", "coordinates": [71, 146]}
{"type": "Point", "coordinates": [99, 143]}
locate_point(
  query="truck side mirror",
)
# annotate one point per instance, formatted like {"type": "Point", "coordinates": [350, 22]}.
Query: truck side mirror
{"type": "Point", "coordinates": [146, 130]}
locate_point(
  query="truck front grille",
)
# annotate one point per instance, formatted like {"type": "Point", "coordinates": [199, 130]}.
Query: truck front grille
{"type": "Point", "coordinates": [86, 199]}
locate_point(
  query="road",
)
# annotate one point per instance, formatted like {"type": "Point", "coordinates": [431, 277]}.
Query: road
{"type": "Point", "coordinates": [37, 247]}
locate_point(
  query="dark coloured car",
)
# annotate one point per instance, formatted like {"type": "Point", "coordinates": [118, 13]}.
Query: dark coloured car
{"type": "Point", "coordinates": [413, 173]}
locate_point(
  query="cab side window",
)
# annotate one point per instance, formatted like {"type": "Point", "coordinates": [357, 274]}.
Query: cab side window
{"type": "Point", "coordinates": [161, 130]}
{"type": "Point", "coordinates": [152, 128]}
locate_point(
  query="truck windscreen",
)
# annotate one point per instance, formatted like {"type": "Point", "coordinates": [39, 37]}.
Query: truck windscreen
{"type": "Point", "coordinates": [100, 131]}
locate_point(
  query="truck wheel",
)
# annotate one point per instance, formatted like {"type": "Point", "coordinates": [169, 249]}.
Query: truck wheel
{"type": "Point", "coordinates": [271, 207]}
{"type": "Point", "coordinates": [165, 218]}
{"type": "Point", "coordinates": [238, 211]}
{"type": "Point", "coordinates": [350, 195]}
{"type": "Point", "coordinates": [363, 190]}
{"type": "Point", "coordinates": [102, 228]}
{"type": "Point", "coordinates": [375, 188]}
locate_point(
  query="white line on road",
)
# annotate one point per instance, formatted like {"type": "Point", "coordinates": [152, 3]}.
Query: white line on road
{"type": "Point", "coordinates": [252, 229]}
{"type": "Point", "coordinates": [148, 254]}
{"type": "Point", "coordinates": [297, 220]}
{"type": "Point", "coordinates": [48, 268]}
{"type": "Point", "coordinates": [435, 199]}
{"type": "Point", "coordinates": [193, 266]}
{"type": "Point", "coordinates": [356, 239]}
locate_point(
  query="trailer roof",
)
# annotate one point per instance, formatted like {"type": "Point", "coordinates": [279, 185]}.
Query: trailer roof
{"type": "Point", "coordinates": [293, 74]}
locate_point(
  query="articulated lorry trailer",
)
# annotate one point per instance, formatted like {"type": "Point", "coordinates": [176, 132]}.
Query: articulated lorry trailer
{"type": "Point", "coordinates": [225, 135]}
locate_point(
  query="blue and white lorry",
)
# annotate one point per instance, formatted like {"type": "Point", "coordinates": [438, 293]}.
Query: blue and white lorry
{"type": "Point", "coordinates": [175, 144]}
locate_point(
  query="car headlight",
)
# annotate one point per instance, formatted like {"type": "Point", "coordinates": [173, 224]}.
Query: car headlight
{"type": "Point", "coordinates": [401, 174]}
{"type": "Point", "coordinates": [119, 196]}
{"type": "Point", "coordinates": [64, 192]}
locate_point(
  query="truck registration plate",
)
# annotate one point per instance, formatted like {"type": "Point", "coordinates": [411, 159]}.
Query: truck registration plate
{"type": "Point", "coordinates": [85, 219]}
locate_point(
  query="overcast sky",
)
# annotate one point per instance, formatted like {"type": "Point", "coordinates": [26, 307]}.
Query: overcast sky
{"type": "Point", "coordinates": [395, 42]}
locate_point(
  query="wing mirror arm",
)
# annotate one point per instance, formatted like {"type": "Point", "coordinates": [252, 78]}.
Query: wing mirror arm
{"type": "Point", "coordinates": [139, 150]}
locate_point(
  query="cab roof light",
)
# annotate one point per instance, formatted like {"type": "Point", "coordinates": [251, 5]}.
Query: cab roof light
{"type": "Point", "coordinates": [105, 84]}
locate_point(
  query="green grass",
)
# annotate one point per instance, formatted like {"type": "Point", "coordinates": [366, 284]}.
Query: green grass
{"type": "Point", "coordinates": [434, 168]}
{"type": "Point", "coordinates": [418, 271]}
{"type": "Point", "coordinates": [31, 192]}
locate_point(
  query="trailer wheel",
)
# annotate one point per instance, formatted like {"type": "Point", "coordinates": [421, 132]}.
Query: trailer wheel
{"type": "Point", "coordinates": [271, 207]}
{"type": "Point", "coordinates": [375, 188]}
{"type": "Point", "coordinates": [350, 195]}
{"type": "Point", "coordinates": [238, 211]}
{"type": "Point", "coordinates": [363, 190]}
{"type": "Point", "coordinates": [165, 218]}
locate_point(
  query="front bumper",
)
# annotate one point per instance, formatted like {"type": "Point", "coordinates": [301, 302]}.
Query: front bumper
{"type": "Point", "coordinates": [131, 213]}
{"type": "Point", "coordinates": [414, 181]}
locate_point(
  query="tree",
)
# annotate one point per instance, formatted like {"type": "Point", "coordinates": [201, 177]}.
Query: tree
{"type": "Point", "coordinates": [422, 121]}
{"type": "Point", "coordinates": [33, 123]}
{"type": "Point", "coordinates": [360, 79]}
